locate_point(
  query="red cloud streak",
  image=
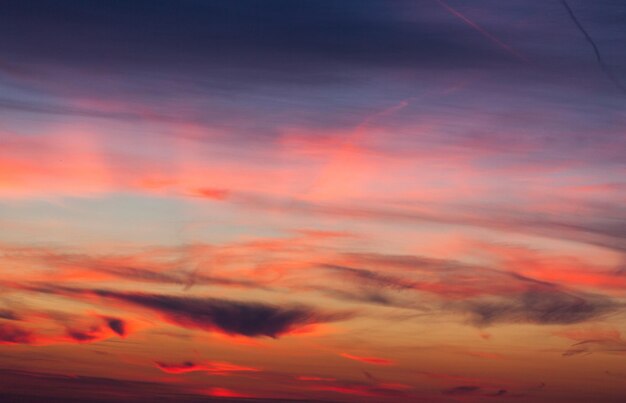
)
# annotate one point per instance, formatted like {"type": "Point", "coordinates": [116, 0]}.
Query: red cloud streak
{"type": "Point", "coordinates": [368, 360]}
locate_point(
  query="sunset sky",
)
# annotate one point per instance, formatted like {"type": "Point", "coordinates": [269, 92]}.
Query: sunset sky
{"type": "Point", "coordinates": [313, 200]}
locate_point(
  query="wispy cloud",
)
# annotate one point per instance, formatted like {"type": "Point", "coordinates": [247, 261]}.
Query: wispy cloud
{"type": "Point", "coordinates": [368, 359]}
{"type": "Point", "coordinates": [217, 368]}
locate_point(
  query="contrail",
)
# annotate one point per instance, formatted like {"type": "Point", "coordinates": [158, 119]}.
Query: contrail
{"type": "Point", "coordinates": [605, 68]}
{"type": "Point", "coordinates": [486, 34]}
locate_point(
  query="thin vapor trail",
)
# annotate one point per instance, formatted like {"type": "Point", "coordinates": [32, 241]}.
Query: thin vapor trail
{"type": "Point", "coordinates": [605, 68]}
{"type": "Point", "coordinates": [484, 32]}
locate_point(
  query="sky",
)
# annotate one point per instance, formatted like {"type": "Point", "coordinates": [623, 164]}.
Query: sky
{"type": "Point", "coordinates": [313, 200]}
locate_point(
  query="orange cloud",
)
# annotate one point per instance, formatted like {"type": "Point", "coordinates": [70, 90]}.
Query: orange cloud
{"type": "Point", "coordinates": [368, 360]}
{"type": "Point", "coordinates": [224, 392]}
{"type": "Point", "coordinates": [590, 334]}
{"type": "Point", "coordinates": [213, 367]}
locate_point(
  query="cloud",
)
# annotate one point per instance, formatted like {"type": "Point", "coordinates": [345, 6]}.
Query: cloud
{"type": "Point", "coordinates": [211, 193]}
{"type": "Point", "coordinates": [91, 332]}
{"type": "Point", "coordinates": [17, 386]}
{"type": "Point", "coordinates": [446, 278]}
{"type": "Point", "coordinates": [133, 267]}
{"type": "Point", "coordinates": [217, 368]}
{"type": "Point", "coordinates": [591, 333]}
{"type": "Point", "coordinates": [9, 315]}
{"type": "Point", "coordinates": [461, 390]}
{"type": "Point", "coordinates": [11, 334]}
{"type": "Point", "coordinates": [375, 278]}
{"type": "Point", "coordinates": [250, 319]}
{"type": "Point", "coordinates": [117, 325]}
{"type": "Point", "coordinates": [537, 306]}
{"type": "Point", "coordinates": [231, 317]}
{"type": "Point", "coordinates": [83, 336]}
{"type": "Point", "coordinates": [485, 295]}
{"type": "Point", "coordinates": [51, 327]}
{"type": "Point", "coordinates": [594, 340]}
{"type": "Point", "coordinates": [597, 227]}
{"type": "Point", "coordinates": [225, 393]}
{"type": "Point", "coordinates": [587, 347]}
{"type": "Point", "coordinates": [371, 389]}
{"type": "Point", "coordinates": [368, 360]}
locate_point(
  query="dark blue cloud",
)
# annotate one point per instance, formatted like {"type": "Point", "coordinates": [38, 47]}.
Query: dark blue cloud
{"type": "Point", "coordinates": [117, 325]}
{"type": "Point", "coordinates": [252, 319]}
{"type": "Point", "coordinates": [540, 306]}
{"type": "Point", "coordinates": [232, 317]}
